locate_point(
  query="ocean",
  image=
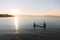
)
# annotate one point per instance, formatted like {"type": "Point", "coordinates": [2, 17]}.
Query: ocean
{"type": "Point", "coordinates": [24, 25]}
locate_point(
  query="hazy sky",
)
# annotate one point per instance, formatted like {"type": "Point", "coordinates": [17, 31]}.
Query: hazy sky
{"type": "Point", "coordinates": [38, 7]}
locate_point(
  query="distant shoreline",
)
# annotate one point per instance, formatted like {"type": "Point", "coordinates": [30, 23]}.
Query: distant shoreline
{"type": "Point", "coordinates": [6, 15]}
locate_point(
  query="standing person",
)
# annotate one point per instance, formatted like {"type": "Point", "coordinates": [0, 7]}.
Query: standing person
{"type": "Point", "coordinates": [44, 25]}
{"type": "Point", "coordinates": [34, 25]}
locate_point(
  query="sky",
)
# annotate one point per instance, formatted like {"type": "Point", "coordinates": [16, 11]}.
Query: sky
{"type": "Point", "coordinates": [31, 7]}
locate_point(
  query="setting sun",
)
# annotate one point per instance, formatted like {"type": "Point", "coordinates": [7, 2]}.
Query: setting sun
{"type": "Point", "coordinates": [15, 11]}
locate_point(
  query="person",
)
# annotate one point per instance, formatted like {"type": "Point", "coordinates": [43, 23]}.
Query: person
{"type": "Point", "coordinates": [34, 25]}
{"type": "Point", "coordinates": [44, 25]}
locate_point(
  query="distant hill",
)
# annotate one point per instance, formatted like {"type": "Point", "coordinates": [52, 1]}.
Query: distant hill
{"type": "Point", "coordinates": [6, 15]}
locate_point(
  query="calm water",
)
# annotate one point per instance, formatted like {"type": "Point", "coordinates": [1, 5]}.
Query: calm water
{"type": "Point", "coordinates": [25, 24]}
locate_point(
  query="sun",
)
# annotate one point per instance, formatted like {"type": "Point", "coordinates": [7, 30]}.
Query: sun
{"type": "Point", "coordinates": [15, 12]}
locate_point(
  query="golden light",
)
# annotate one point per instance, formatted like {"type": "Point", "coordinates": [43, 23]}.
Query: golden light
{"type": "Point", "coordinates": [15, 12]}
{"type": "Point", "coordinates": [16, 22]}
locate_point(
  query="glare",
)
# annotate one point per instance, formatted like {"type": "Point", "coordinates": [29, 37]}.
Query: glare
{"type": "Point", "coordinates": [16, 22]}
{"type": "Point", "coordinates": [15, 11]}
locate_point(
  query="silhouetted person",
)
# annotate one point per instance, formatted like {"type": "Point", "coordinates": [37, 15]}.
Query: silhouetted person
{"type": "Point", "coordinates": [44, 25]}
{"type": "Point", "coordinates": [34, 25]}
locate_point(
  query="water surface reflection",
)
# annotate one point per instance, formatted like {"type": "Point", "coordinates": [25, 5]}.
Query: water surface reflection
{"type": "Point", "coordinates": [16, 24]}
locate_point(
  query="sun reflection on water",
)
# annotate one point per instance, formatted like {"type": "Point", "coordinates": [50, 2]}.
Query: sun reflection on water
{"type": "Point", "coordinates": [16, 24]}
